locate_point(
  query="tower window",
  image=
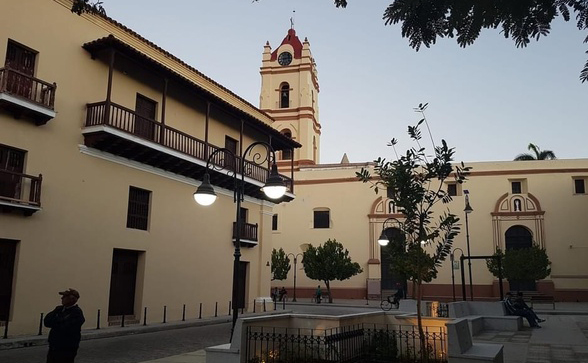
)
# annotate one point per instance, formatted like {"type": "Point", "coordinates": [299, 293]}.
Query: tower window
{"type": "Point", "coordinates": [287, 153]}
{"type": "Point", "coordinates": [275, 222]}
{"type": "Point", "coordinates": [285, 95]}
{"type": "Point", "coordinates": [516, 187]}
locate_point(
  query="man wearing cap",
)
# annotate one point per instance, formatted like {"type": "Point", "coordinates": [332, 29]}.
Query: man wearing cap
{"type": "Point", "coordinates": [65, 322]}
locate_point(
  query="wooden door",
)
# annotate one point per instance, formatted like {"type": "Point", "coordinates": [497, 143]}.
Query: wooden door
{"type": "Point", "coordinates": [11, 169]}
{"type": "Point", "coordinates": [21, 60]}
{"type": "Point", "coordinates": [123, 280]}
{"type": "Point", "coordinates": [7, 257]}
{"type": "Point", "coordinates": [518, 237]}
{"type": "Point", "coordinates": [231, 145]}
{"type": "Point", "coordinates": [145, 108]}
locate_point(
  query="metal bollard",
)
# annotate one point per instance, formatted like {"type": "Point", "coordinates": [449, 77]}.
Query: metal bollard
{"type": "Point", "coordinates": [275, 305]}
{"type": "Point", "coordinates": [216, 309]}
{"type": "Point", "coordinates": [284, 303]}
{"type": "Point", "coordinates": [242, 311]}
{"type": "Point", "coordinates": [184, 313]}
{"type": "Point", "coordinates": [122, 325]}
{"type": "Point", "coordinates": [6, 330]}
{"type": "Point", "coordinates": [200, 313]}
{"type": "Point", "coordinates": [253, 306]}
{"type": "Point", "coordinates": [164, 313]}
{"type": "Point", "coordinates": [98, 320]}
{"type": "Point", "coordinates": [264, 305]}
{"type": "Point", "coordinates": [145, 316]}
{"type": "Point", "coordinates": [41, 325]}
{"type": "Point", "coordinates": [229, 308]}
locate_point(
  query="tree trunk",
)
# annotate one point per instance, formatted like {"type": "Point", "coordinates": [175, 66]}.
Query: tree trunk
{"type": "Point", "coordinates": [422, 337]}
{"type": "Point", "coordinates": [329, 292]}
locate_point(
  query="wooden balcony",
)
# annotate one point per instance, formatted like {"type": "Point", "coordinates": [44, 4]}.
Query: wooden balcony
{"type": "Point", "coordinates": [122, 132]}
{"type": "Point", "coordinates": [26, 96]}
{"type": "Point", "coordinates": [13, 186]}
{"type": "Point", "coordinates": [248, 235]}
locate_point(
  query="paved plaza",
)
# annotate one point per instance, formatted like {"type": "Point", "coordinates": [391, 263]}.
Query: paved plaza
{"type": "Point", "coordinates": [562, 338]}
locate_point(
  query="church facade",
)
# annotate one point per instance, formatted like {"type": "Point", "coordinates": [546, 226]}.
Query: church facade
{"type": "Point", "coordinates": [515, 203]}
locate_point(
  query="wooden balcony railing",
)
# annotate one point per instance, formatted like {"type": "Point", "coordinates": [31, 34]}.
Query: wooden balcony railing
{"type": "Point", "coordinates": [248, 231]}
{"type": "Point", "coordinates": [28, 87]}
{"type": "Point", "coordinates": [129, 121]}
{"type": "Point", "coordinates": [13, 186]}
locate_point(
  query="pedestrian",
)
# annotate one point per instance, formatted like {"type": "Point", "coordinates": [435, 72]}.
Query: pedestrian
{"type": "Point", "coordinates": [66, 322]}
{"type": "Point", "coordinates": [283, 293]}
{"type": "Point", "coordinates": [319, 294]}
{"type": "Point", "coordinates": [513, 309]}
{"type": "Point", "coordinates": [275, 294]}
{"type": "Point", "coordinates": [520, 303]}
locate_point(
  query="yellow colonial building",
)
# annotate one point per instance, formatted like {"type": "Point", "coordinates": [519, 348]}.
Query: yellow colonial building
{"type": "Point", "coordinates": [104, 137]}
{"type": "Point", "coordinates": [515, 204]}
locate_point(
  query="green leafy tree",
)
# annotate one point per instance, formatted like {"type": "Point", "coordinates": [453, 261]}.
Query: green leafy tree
{"type": "Point", "coordinates": [85, 6]}
{"type": "Point", "coordinates": [522, 264]}
{"type": "Point", "coordinates": [414, 181]}
{"type": "Point", "coordinates": [280, 264]}
{"type": "Point", "coordinates": [425, 21]}
{"type": "Point", "coordinates": [329, 262]}
{"type": "Point", "coordinates": [538, 154]}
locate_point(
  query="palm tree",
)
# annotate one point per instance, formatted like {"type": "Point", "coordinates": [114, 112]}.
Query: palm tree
{"type": "Point", "coordinates": [539, 154]}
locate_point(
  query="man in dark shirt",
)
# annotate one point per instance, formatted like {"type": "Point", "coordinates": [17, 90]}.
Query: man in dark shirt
{"type": "Point", "coordinates": [65, 322]}
{"type": "Point", "coordinates": [513, 309]}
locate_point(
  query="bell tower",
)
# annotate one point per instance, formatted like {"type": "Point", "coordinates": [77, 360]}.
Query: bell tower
{"type": "Point", "coordinates": [289, 94]}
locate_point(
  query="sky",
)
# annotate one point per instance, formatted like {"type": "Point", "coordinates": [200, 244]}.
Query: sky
{"type": "Point", "coordinates": [489, 100]}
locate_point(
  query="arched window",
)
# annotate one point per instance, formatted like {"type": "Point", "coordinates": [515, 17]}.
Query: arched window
{"type": "Point", "coordinates": [391, 207]}
{"type": "Point", "coordinates": [284, 95]}
{"type": "Point", "coordinates": [287, 154]}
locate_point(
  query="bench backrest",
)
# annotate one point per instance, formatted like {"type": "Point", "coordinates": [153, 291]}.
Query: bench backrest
{"type": "Point", "coordinates": [459, 337]}
{"type": "Point", "coordinates": [458, 309]}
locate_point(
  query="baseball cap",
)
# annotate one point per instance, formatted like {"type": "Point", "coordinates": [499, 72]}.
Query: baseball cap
{"type": "Point", "coordinates": [71, 292]}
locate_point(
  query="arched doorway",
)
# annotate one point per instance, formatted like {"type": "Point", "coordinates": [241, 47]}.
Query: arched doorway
{"type": "Point", "coordinates": [517, 237]}
{"type": "Point", "coordinates": [397, 245]}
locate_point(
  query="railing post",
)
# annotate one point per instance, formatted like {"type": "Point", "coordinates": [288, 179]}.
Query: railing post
{"type": "Point", "coordinates": [215, 309]}
{"type": "Point", "coordinates": [184, 313]}
{"type": "Point", "coordinates": [98, 320]}
{"type": "Point", "coordinates": [41, 325]}
{"type": "Point", "coordinates": [200, 312]}
{"type": "Point", "coordinates": [52, 97]}
{"type": "Point", "coordinates": [145, 316]}
{"type": "Point", "coordinates": [3, 79]}
{"type": "Point", "coordinates": [164, 313]}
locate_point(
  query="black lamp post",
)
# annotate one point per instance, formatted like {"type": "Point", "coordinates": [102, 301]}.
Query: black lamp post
{"type": "Point", "coordinates": [295, 256]}
{"type": "Point", "coordinates": [468, 209]}
{"type": "Point", "coordinates": [452, 258]}
{"type": "Point", "coordinates": [274, 188]}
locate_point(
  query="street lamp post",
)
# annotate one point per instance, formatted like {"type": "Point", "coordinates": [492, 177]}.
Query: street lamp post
{"type": "Point", "coordinates": [274, 188]}
{"type": "Point", "coordinates": [295, 256]}
{"type": "Point", "coordinates": [452, 258]}
{"type": "Point", "coordinates": [468, 209]}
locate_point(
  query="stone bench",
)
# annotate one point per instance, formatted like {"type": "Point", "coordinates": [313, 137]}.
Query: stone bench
{"type": "Point", "coordinates": [484, 315]}
{"type": "Point", "coordinates": [462, 349]}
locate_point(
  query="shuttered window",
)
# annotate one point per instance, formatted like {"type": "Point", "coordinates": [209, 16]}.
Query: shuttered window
{"type": "Point", "coordinates": [138, 213]}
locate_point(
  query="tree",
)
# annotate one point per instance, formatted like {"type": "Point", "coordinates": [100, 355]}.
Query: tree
{"type": "Point", "coordinates": [85, 6]}
{"type": "Point", "coordinates": [415, 183]}
{"type": "Point", "coordinates": [280, 265]}
{"type": "Point", "coordinates": [425, 21]}
{"type": "Point", "coordinates": [539, 154]}
{"type": "Point", "coordinates": [329, 262]}
{"type": "Point", "coordinates": [524, 264]}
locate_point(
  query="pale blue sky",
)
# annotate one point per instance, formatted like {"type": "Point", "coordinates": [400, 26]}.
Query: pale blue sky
{"type": "Point", "coordinates": [488, 100]}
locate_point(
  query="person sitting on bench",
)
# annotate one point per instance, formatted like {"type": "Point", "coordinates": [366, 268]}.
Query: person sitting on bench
{"type": "Point", "coordinates": [520, 303]}
{"type": "Point", "coordinates": [513, 310]}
